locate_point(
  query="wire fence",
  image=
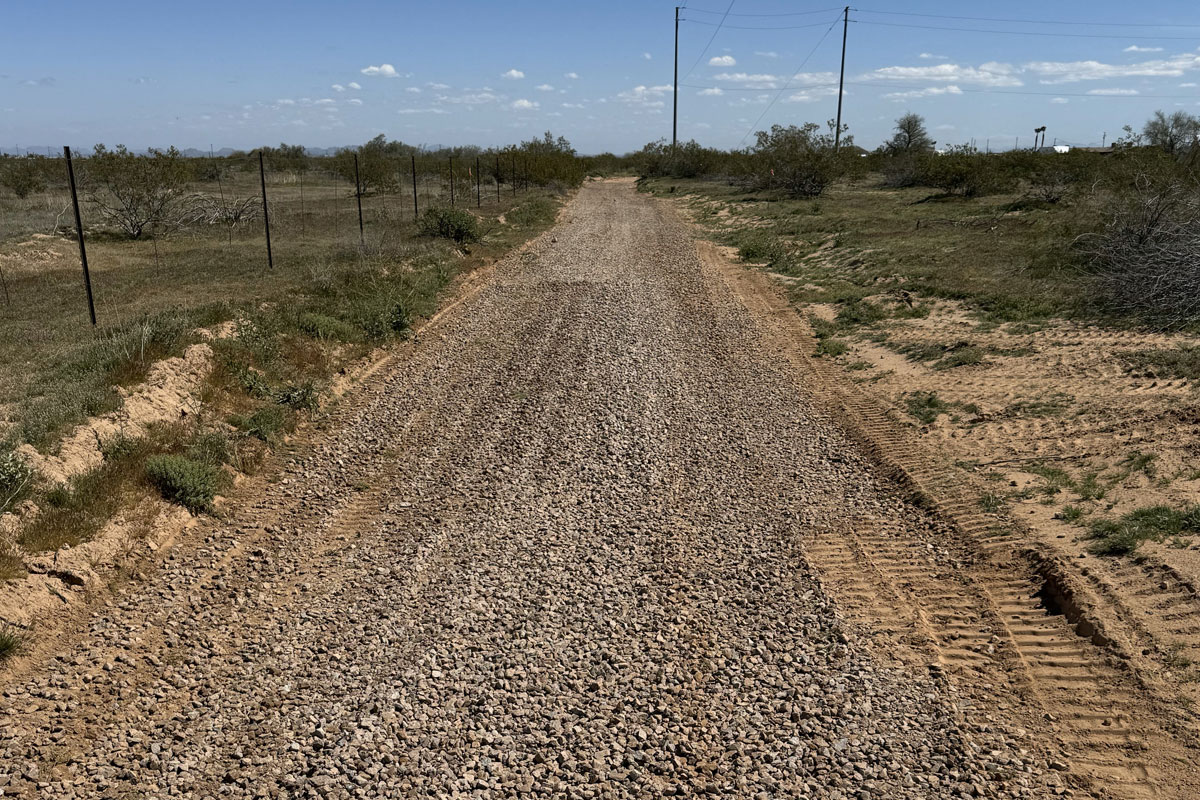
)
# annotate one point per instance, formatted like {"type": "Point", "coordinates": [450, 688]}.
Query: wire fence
{"type": "Point", "coordinates": [275, 207]}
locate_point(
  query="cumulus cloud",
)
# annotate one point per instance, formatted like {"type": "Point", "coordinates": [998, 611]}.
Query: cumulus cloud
{"type": "Point", "coordinates": [471, 98]}
{"type": "Point", "coordinates": [766, 53]}
{"type": "Point", "coordinates": [1133, 48]}
{"type": "Point", "coordinates": [932, 91]}
{"type": "Point", "coordinates": [722, 61]}
{"type": "Point", "coordinates": [572, 105]}
{"type": "Point", "coordinates": [933, 57]}
{"type": "Point", "coordinates": [413, 90]}
{"type": "Point", "coordinates": [571, 76]}
{"type": "Point", "coordinates": [1188, 85]}
{"type": "Point", "coordinates": [337, 87]}
{"type": "Point", "coordinates": [1052, 72]}
{"type": "Point", "coordinates": [525, 105]}
{"type": "Point", "coordinates": [513, 75]}
{"type": "Point", "coordinates": [713, 92]}
{"type": "Point", "coordinates": [990, 74]}
{"type": "Point", "coordinates": [812, 95]}
{"type": "Point", "coordinates": [750, 80]}
{"type": "Point", "coordinates": [354, 101]}
{"type": "Point", "coordinates": [422, 111]}
{"type": "Point", "coordinates": [647, 56]}
{"type": "Point", "coordinates": [438, 86]}
{"type": "Point", "coordinates": [353, 85]}
{"type": "Point", "coordinates": [1059, 101]}
{"type": "Point", "coordinates": [645, 96]}
{"type": "Point", "coordinates": [1113, 92]}
{"type": "Point", "coordinates": [544, 87]}
{"type": "Point", "coordinates": [383, 70]}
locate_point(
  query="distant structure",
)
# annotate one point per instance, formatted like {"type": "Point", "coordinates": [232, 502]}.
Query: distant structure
{"type": "Point", "coordinates": [1056, 148]}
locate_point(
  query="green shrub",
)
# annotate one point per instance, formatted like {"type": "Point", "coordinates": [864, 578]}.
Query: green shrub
{"type": "Point", "coordinates": [11, 640]}
{"type": "Point", "coordinates": [192, 484]}
{"type": "Point", "coordinates": [832, 347]}
{"type": "Point", "coordinates": [16, 479]}
{"type": "Point", "coordinates": [264, 424]}
{"type": "Point", "coordinates": [22, 176]}
{"type": "Point", "coordinates": [762, 247]}
{"type": "Point", "coordinates": [538, 211]}
{"type": "Point", "coordinates": [450, 223]}
{"type": "Point", "coordinates": [302, 397]}
{"type": "Point", "coordinates": [380, 315]}
{"type": "Point", "coordinates": [210, 448]}
{"type": "Point", "coordinates": [926, 406]}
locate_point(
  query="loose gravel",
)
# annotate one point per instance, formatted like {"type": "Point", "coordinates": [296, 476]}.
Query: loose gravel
{"type": "Point", "coordinates": [554, 551]}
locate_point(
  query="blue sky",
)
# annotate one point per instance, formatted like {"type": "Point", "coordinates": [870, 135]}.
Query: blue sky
{"type": "Point", "coordinates": [330, 73]}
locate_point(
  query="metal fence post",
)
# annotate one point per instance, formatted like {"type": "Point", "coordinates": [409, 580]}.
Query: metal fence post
{"type": "Point", "coordinates": [478, 185]}
{"type": "Point", "coordinates": [514, 173]}
{"type": "Point", "coordinates": [497, 177]}
{"type": "Point", "coordinates": [87, 276]}
{"type": "Point", "coordinates": [451, 181]}
{"type": "Point", "coordinates": [362, 240]}
{"type": "Point", "coordinates": [262, 177]}
{"type": "Point", "coordinates": [416, 212]}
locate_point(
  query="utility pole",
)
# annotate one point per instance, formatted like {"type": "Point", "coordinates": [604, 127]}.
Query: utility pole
{"type": "Point", "coordinates": [837, 132]}
{"type": "Point", "coordinates": [675, 87]}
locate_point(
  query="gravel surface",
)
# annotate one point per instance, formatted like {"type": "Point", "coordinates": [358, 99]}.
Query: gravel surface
{"type": "Point", "coordinates": [553, 552]}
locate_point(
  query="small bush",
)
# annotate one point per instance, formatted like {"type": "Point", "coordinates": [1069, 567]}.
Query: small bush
{"type": "Point", "coordinates": [762, 247]}
{"type": "Point", "coordinates": [22, 176]}
{"type": "Point", "coordinates": [538, 211]}
{"type": "Point", "coordinates": [264, 424]}
{"type": "Point", "coordinates": [926, 406]}
{"type": "Point", "coordinates": [961, 357]}
{"type": "Point", "coordinates": [302, 397]}
{"type": "Point", "coordinates": [192, 484]}
{"type": "Point", "coordinates": [16, 479]}
{"type": "Point", "coordinates": [210, 448]}
{"type": "Point", "coordinates": [380, 315]}
{"type": "Point", "coordinates": [450, 223]}
{"type": "Point", "coordinates": [1181, 362]}
{"type": "Point", "coordinates": [832, 347]}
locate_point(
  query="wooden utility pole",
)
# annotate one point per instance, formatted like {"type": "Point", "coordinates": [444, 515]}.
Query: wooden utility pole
{"type": "Point", "coordinates": [675, 87]}
{"type": "Point", "coordinates": [837, 133]}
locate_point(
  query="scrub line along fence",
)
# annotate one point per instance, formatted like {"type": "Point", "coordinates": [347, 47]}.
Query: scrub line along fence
{"type": "Point", "coordinates": [301, 200]}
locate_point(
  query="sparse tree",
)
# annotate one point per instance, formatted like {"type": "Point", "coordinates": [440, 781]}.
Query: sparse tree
{"type": "Point", "coordinates": [910, 135]}
{"type": "Point", "coordinates": [134, 192]}
{"type": "Point", "coordinates": [1174, 133]}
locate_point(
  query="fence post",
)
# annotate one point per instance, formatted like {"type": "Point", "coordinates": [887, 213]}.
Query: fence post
{"type": "Point", "coordinates": [262, 177]}
{"type": "Point", "coordinates": [87, 276]}
{"type": "Point", "coordinates": [416, 212]}
{"type": "Point", "coordinates": [362, 241]}
{"type": "Point", "coordinates": [478, 185]}
{"type": "Point", "coordinates": [452, 181]}
{"type": "Point", "coordinates": [514, 173]}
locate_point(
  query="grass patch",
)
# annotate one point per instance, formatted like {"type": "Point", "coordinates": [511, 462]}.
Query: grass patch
{"type": "Point", "coordinates": [832, 347]}
{"type": "Point", "coordinates": [1071, 513]}
{"type": "Point", "coordinates": [961, 357]}
{"type": "Point", "coordinates": [1181, 362]}
{"type": "Point", "coordinates": [191, 483]}
{"type": "Point", "coordinates": [991, 502]}
{"type": "Point", "coordinates": [926, 406]}
{"type": "Point", "coordinates": [1125, 534]}
{"type": "Point", "coordinates": [454, 224]}
{"type": "Point", "coordinates": [16, 480]}
{"type": "Point", "coordinates": [11, 641]}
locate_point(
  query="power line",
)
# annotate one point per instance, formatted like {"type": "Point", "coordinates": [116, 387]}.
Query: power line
{"type": "Point", "coordinates": [760, 89]}
{"type": "Point", "coordinates": [787, 14]}
{"type": "Point", "coordinates": [711, 38]}
{"type": "Point", "coordinates": [1075, 23]}
{"type": "Point", "coordinates": [786, 86]}
{"type": "Point", "coordinates": [1023, 33]}
{"type": "Point", "coordinates": [756, 27]}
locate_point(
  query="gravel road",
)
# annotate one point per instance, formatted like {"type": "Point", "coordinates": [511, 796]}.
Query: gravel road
{"type": "Point", "coordinates": [553, 550]}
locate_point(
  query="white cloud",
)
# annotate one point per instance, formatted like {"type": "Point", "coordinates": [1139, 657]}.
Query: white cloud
{"type": "Point", "coordinates": [353, 85]}
{"type": "Point", "coordinates": [766, 53]}
{"type": "Point", "coordinates": [525, 105]}
{"type": "Point", "coordinates": [1133, 48]}
{"type": "Point", "coordinates": [812, 95]}
{"type": "Point", "coordinates": [413, 90]}
{"type": "Point", "coordinates": [645, 96]}
{"type": "Point", "coordinates": [647, 56]}
{"type": "Point", "coordinates": [990, 74]}
{"type": "Point", "coordinates": [438, 86]}
{"type": "Point", "coordinates": [472, 98]}
{"type": "Point", "coordinates": [513, 75]}
{"type": "Point", "coordinates": [713, 92]}
{"type": "Point", "coordinates": [722, 61]}
{"type": "Point", "coordinates": [750, 81]}
{"type": "Point", "coordinates": [544, 87]}
{"type": "Point", "coordinates": [1052, 72]}
{"type": "Point", "coordinates": [384, 70]}
{"type": "Point", "coordinates": [932, 91]}
{"type": "Point", "coordinates": [1059, 101]}
{"type": "Point", "coordinates": [1114, 92]}
{"type": "Point", "coordinates": [572, 105]}
{"type": "Point", "coordinates": [933, 57]}
{"type": "Point", "coordinates": [422, 111]}
{"type": "Point", "coordinates": [324, 101]}
{"type": "Point", "coordinates": [354, 101]}
{"type": "Point", "coordinates": [571, 76]}
{"type": "Point", "coordinates": [285, 102]}
{"type": "Point", "coordinates": [337, 87]}
{"type": "Point", "coordinates": [1188, 85]}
